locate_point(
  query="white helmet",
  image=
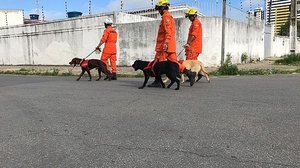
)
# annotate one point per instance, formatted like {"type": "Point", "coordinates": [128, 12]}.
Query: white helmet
{"type": "Point", "coordinates": [108, 21]}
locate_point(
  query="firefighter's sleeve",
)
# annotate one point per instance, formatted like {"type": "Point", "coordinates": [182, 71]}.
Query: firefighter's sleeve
{"type": "Point", "coordinates": [104, 36]}
{"type": "Point", "coordinates": [168, 30]}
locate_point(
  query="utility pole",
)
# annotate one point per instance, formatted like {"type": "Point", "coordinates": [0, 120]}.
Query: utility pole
{"type": "Point", "coordinates": [223, 32]}
{"type": "Point", "coordinates": [293, 26]}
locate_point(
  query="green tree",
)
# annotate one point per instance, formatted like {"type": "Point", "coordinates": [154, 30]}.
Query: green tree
{"type": "Point", "coordinates": [285, 29]}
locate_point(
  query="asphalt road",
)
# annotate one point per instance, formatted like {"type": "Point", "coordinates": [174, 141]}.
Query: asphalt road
{"type": "Point", "coordinates": [231, 122]}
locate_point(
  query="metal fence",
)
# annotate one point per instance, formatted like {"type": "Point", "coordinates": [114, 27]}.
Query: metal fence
{"type": "Point", "coordinates": [205, 7]}
{"type": "Point", "coordinates": [215, 7]}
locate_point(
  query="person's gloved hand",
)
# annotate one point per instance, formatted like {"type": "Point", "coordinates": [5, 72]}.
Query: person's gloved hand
{"type": "Point", "coordinates": [186, 46]}
{"type": "Point", "coordinates": [97, 50]}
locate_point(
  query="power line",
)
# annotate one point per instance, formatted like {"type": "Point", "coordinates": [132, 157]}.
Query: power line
{"type": "Point", "coordinates": [37, 7]}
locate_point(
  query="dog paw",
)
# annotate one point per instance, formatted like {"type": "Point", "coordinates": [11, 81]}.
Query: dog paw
{"type": "Point", "coordinates": [141, 87]}
{"type": "Point", "coordinates": [77, 79]}
{"type": "Point", "coordinates": [177, 89]}
{"type": "Point", "coordinates": [97, 79]}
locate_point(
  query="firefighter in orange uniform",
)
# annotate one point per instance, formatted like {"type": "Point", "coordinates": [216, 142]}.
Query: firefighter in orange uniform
{"type": "Point", "coordinates": [193, 47]}
{"type": "Point", "coordinates": [166, 41]}
{"type": "Point", "coordinates": [110, 49]}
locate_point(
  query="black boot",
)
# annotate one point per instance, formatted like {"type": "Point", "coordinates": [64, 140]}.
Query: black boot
{"type": "Point", "coordinates": [114, 76]}
{"type": "Point", "coordinates": [191, 75]}
{"type": "Point", "coordinates": [155, 84]}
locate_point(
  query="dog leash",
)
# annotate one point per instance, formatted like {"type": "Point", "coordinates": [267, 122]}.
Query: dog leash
{"type": "Point", "coordinates": [180, 52]}
{"type": "Point", "coordinates": [86, 57]}
{"type": "Point", "coordinates": [90, 54]}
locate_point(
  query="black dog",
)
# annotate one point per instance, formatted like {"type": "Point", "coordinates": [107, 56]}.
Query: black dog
{"type": "Point", "coordinates": [171, 69]}
{"type": "Point", "coordinates": [87, 65]}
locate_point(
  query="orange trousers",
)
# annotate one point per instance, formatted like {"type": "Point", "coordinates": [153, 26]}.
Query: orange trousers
{"type": "Point", "coordinates": [190, 55]}
{"type": "Point", "coordinates": [163, 56]}
{"type": "Point", "coordinates": [112, 59]}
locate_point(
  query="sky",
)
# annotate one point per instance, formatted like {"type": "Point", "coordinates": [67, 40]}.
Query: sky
{"type": "Point", "coordinates": [55, 9]}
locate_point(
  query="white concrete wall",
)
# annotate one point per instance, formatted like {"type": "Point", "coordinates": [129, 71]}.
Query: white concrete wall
{"type": "Point", "coordinates": [280, 46]}
{"type": "Point", "coordinates": [53, 43]}
{"type": "Point", "coordinates": [244, 38]}
{"type": "Point", "coordinates": [130, 18]}
{"type": "Point", "coordinates": [137, 41]}
{"type": "Point", "coordinates": [11, 17]}
{"type": "Point", "coordinates": [275, 46]}
{"type": "Point", "coordinates": [56, 43]}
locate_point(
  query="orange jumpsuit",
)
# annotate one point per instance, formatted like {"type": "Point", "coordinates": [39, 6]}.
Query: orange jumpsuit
{"type": "Point", "coordinates": [192, 52]}
{"type": "Point", "coordinates": [110, 49]}
{"type": "Point", "coordinates": [166, 34]}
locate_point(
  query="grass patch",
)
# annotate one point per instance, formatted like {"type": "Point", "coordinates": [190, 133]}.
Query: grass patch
{"type": "Point", "coordinates": [225, 70]}
{"type": "Point", "coordinates": [23, 71]}
{"type": "Point", "coordinates": [263, 72]}
{"type": "Point", "coordinates": [290, 59]}
{"type": "Point", "coordinates": [139, 75]}
{"type": "Point", "coordinates": [55, 72]}
{"type": "Point", "coordinates": [257, 72]}
{"type": "Point", "coordinates": [229, 69]}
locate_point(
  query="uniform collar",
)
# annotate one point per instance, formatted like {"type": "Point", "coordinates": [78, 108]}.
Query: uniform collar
{"type": "Point", "coordinates": [195, 20]}
{"type": "Point", "coordinates": [167, 13]}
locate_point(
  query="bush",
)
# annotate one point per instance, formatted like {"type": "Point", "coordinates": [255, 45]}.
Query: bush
{"type": "Point", "coordinates": [290, 59]}
{"type": "Point", "coordinates": [55, 72]}
{"type": "Point", "coordinates": [244, 58]}
{"type": "Point", "coordinates": [228, 68]}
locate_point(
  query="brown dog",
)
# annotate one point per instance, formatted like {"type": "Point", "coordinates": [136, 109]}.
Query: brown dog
{"type": "Point", "coordinates": [87, 65]}
{"type": "Point", "coordinates": [195, 66]}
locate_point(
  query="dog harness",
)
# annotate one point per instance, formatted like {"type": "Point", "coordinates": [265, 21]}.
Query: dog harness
{"type": "Point", "coordinates": [151, 66]}
{"type": "Point", "coordinates": [85, 64]}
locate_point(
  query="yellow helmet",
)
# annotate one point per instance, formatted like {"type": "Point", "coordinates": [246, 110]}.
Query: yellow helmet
{"type": "Point", "coordinates": [191, 11]}
{"type": "Point", "coordinates": [162, 3]}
